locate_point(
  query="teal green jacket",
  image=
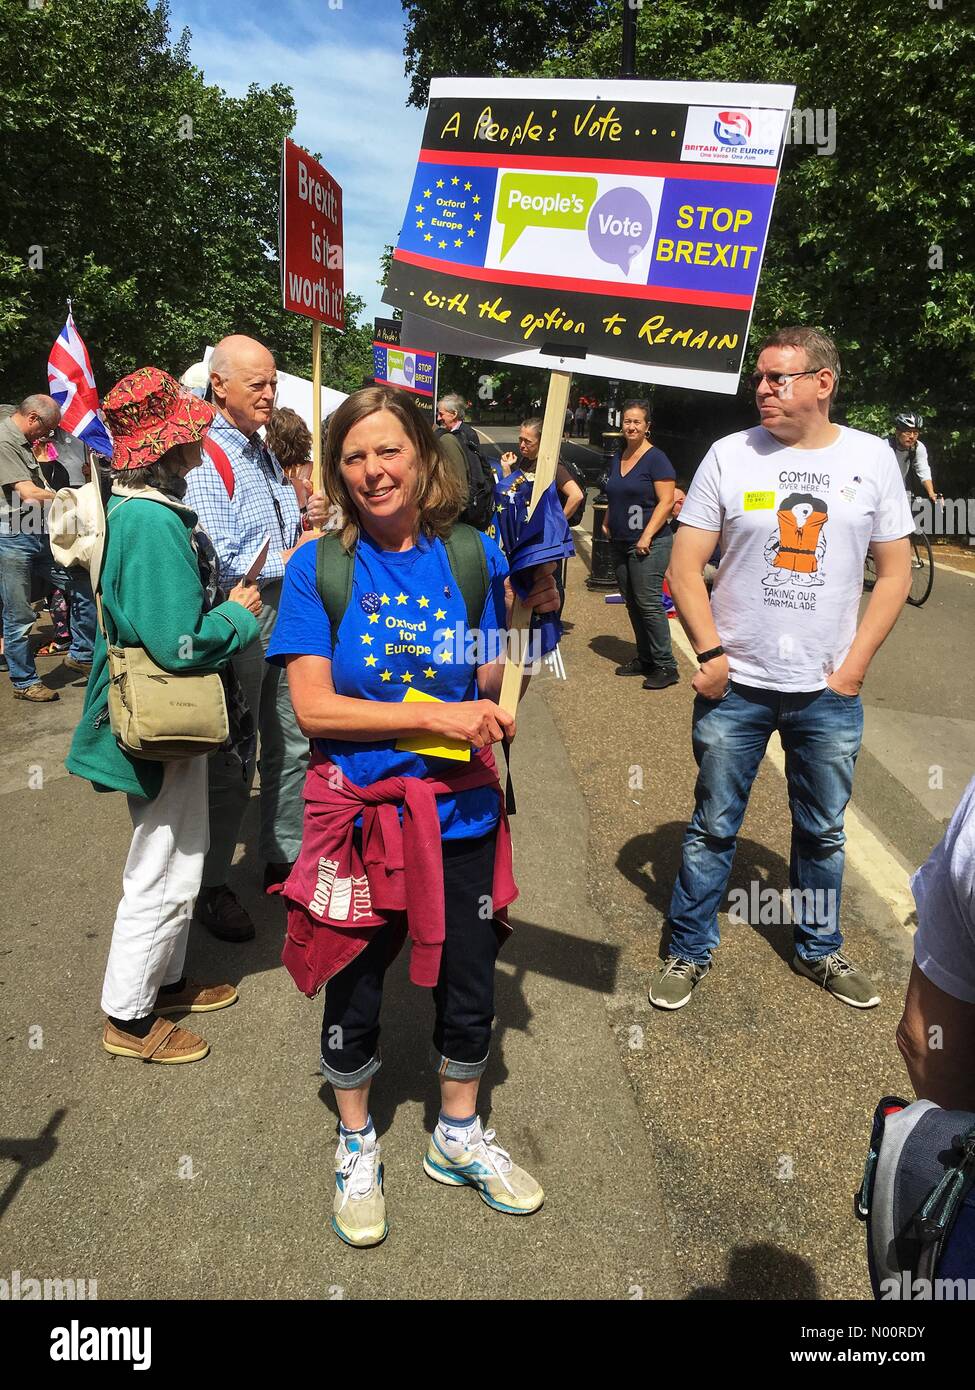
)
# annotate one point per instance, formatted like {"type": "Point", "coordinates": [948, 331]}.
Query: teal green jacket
{"type": "Point", "coordinates": [152, 597]}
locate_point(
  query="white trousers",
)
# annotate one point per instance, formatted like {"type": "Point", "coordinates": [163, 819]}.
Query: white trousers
{"type": "Point", "coordinates": [162, 877]}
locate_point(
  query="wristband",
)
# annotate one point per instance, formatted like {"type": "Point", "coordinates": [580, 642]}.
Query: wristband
{"type": "Point", "coordinates": [702, 657]}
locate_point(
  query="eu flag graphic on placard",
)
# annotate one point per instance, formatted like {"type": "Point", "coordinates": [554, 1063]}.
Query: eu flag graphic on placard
{"type": "Point", "coordinates": [448, 216]}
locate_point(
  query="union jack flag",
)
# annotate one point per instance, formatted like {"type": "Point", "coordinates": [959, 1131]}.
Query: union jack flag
{"type": "Point", "coordinates": [72, 385]}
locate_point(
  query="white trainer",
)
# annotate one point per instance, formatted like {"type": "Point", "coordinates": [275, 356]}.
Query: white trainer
{"type": "Point", "coordinates": [359, 1209]}
{"type": "Point", "coordinates": [482, 1164]}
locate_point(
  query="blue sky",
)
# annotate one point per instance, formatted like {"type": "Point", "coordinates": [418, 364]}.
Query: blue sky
{"type": "Point", "coordinates": [343, 60]}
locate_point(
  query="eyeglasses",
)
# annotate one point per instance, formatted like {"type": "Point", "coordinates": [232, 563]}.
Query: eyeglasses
{"type": "Point", "coordinates": [779, 380]}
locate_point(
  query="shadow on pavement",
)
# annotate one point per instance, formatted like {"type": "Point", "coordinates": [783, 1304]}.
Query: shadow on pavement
{"type": "Point", "coordinates": [613, 649]}
{"type": "Point", "coordinates": [762, 1272]}
{"type": "Point", "coordinates": [28, 1154]}
{"type": "Point", "coordinates": [407, 1073]}
{"type": "Point", "coordinates": [651, 862]}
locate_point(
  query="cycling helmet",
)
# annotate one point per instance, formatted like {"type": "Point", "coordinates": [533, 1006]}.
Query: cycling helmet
{"type": "Point", "coordinates": [909, 420]}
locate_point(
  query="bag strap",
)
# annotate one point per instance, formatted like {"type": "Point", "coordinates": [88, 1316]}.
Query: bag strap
{"type": "Point", "coordinates": [468, 565]}
{"type": "Point", "coordinates": [333, 579]}
{"type": "Point", "coordinates": [933, 1223]}
{"type": "Point", "coordinates": [120, 502]}
{"type": "Point", "coordinates": [218, 457]}
{"type": "Point", "coordinates": [334, 568]}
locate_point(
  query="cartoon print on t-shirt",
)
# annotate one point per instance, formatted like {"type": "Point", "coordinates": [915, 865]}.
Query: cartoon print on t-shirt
{"type": "Point", "coordinates": [795, 550]}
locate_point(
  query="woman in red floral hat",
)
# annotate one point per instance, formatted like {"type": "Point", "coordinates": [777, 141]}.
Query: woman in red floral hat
{"type": "Point", "coordinates": [158, 591]}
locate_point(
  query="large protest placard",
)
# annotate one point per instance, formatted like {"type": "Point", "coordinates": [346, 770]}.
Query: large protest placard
{"type": "Point", "coordinates": [409, 369]}
{"type": "Point", "coordinates": [310, 239]}
{"type": "Point", "coordinates": [612, 228]}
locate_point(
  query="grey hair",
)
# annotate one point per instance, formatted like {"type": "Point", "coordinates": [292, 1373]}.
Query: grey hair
{"type": "Point", "coordinates": [162, 474]}
{"type": "Point", "coordinates": [818, 346]}
{"type": "Point", "coordinates": [43, 407]}
{"type": "Point", "coordinates": [534, 424]}
{"type": "Point", "coordinates": [221, 363]}
{"type": "Point", "coordinates": [454, 403]}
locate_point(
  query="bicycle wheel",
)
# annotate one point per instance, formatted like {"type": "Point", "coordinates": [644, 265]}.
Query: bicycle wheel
{"type": "Point", "coordinates": [922, 569]}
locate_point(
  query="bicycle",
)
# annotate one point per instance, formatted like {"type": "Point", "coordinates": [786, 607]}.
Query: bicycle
{"type": "Point", "coordinates": [922, 570]}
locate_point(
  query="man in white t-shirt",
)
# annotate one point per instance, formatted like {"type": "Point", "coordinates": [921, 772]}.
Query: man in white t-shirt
{"type": "Point", "coordinates": [794, 503]}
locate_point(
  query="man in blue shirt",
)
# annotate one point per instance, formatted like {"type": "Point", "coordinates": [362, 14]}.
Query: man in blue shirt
{"type": "Point", "coordinates": [242, 498]}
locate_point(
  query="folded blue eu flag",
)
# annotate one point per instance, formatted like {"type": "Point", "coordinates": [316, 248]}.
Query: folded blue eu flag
{"type": "Point", "coordinates": [533, 540]}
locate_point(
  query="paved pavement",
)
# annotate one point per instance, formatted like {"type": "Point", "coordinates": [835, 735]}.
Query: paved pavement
{"type": "Point", "coordinates": [214, 1180]}
{"type": "Point", "coordinates": [707, 1154]}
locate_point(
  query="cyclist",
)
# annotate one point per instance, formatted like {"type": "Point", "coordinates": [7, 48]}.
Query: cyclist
{"type": "Point", "coordinates": [910, 452]}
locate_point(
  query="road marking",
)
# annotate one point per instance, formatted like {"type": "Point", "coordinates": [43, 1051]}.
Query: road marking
{"type": "Point", "coordinates": [868, 853]}
{"type": "Point", "coordinates": [953, 569]}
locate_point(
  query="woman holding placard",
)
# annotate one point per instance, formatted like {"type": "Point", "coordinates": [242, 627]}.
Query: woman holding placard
{"type": "Point", "coordinates": [640, 488]}
{"type": "Point", "coordinates": [393, 634]}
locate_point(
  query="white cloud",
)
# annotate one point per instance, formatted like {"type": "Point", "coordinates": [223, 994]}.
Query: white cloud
{"type": "Point", "coordinates": [350, 95]}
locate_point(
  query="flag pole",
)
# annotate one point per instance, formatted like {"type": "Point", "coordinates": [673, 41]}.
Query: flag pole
{"type": "Point", "coordinates": [316, 406]}
{"type": "Point", "coordinates": [553, 427]}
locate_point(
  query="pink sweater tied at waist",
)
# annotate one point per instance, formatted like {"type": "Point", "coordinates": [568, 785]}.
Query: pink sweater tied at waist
{"type": "Point", "coordinates": [336, 899]}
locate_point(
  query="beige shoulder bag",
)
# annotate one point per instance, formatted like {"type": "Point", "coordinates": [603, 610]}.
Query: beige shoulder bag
{"type": "Point", "coordinates": [161, 715]}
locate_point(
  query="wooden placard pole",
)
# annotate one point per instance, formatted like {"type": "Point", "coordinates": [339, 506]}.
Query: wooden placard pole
{"type": "Point", "coordinates": [553, 428]}
{"type": "Point", "coordinates": [316, 406]}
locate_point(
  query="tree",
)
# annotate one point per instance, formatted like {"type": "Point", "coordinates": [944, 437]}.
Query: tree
{"type": "Point", "coordinates": [150, 196]}
{"type": "Point", "coordinates": [871, 240]}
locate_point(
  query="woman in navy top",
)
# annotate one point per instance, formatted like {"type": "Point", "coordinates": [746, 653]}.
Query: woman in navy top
{"type": "Point", "coordinates": [641, 497]}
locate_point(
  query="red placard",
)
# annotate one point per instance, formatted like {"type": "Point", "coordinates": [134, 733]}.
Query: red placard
{"type": "Point", "coordinates": [310, 239]}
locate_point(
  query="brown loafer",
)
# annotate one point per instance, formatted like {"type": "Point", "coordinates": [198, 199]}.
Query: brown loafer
{"type": "Point", "coordinates": [37, 694]}
{"type": "Point", "coordinates": [221, 914]}
{"type": "Point", "coordinates": [196, 999]}
{"type": "Point", "coordinates": [165, 1043]}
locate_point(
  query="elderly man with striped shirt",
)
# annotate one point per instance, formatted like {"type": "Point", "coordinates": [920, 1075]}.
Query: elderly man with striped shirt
{"type": "Point", "coordinates": [241, 497]}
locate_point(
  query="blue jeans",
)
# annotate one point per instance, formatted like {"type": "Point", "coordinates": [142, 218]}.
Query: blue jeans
{"type": "Point", "coordinates": [641, 581]}
{"type": "Point", "coordinates": [21, 557]}
{"type": "Point", "coordinates": [821, 733]}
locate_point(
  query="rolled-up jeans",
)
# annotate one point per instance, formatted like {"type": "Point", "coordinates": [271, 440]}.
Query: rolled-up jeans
{"type": "Point", "coordinates": [463, 996]}
{"type": "Point", "coordinates": [21, 557]}
{"type": "Point", "coordinates": [821, 733]}
{"type": "Point", "coordinates": [641, 581]}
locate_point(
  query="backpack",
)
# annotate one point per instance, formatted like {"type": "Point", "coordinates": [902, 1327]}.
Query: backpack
{"type": "Point", "coordinates": [918, 1202]}
{"type": "Point", "coordinates": [577, 476]}
{"type": "Point", "coordinates": [465, 553]}
{"type": "Point", "coordinates": [479, 511]}
{"type": "Point", "coordinates": [76, 526]}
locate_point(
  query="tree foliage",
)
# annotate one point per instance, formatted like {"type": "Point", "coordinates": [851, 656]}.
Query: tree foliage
{"type": "Point", "coordinates": [152, 195]}
{"type": "Point", "coordinates": [873, 241]}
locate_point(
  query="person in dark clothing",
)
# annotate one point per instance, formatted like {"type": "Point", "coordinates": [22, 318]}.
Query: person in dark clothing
{"type": "Point", "coordinates": [641, 497]}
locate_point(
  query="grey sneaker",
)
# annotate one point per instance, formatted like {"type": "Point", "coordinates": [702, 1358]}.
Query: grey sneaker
{"type": "Point", "coordinates": [840, 977]}
{"type": "Point", "coordinates": [672, 985]}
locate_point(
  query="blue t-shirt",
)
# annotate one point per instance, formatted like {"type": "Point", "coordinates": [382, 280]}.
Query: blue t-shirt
{"type": "Point", "coordinates": [400, 630]}
{"type": "Point", "coordinates": [632, 498]}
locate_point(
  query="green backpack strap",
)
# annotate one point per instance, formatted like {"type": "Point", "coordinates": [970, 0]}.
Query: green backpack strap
{"type": "Point", "coordinates": [468, 565]}
{"type": "Point", "coordinates": [465, 554]}
{"type": "Point", "coordinates": [333, 578]}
